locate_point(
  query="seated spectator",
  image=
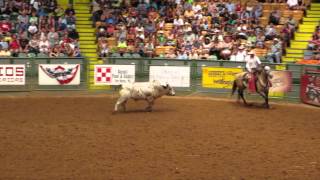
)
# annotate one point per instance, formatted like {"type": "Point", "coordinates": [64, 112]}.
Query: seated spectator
{"type": "Point", "coordinates": [149, 49]}
{"type": "Point", "coordinates": [44, 45]}
{"type": "Point", "coordinates": [275, 52]}
{"type": "Point", "coordinates": [103, 49]}
{"type": "Point", "coordinates": [293, 4]}
{"type": "Point", "coordinates": [194, 55]}
{"type": "Point", "coordinates": [24, 44]}
{"type": "Point", "coordinates": [182, 55]}
{"type": "Point", "coordinates": [33, 18]}
{"type": "Point", "coordinates": [275, 17]}
{"type": "Point", "coordinates": [4, 52]}
{"type": "Point", "coordinates": [70, 11]}
{"type": "Point", "coordinates": [55, 51]}
{"type": "Point", "coordinates": [4, 44]}
{"type": "Point", "coordinates": [76, 52]}
{"type": "Point", "coordinates": [32, 29]}
{"type": "Point", "coordinates": [14, 46]}
{"type": "Point", "coordinates": [5, 26]}
{"type": "Point", "coordinates": [239, 55]}
{"type": "Point", "coordinates": [314, 44]}
{"type": "Point", "coordinates": [270, 32]}
{"type": "Point", "coordinates": [33, 46]}
{"type": "Point", "coordinates": [53, 37]}
{"type": "Point", "coordinates": [122, 46]}
{"type": "Point", "coordinates": [161, 38]}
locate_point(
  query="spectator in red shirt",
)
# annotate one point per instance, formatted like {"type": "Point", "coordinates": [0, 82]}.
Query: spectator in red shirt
{"type": "Point", "coordinates": [5, 26]}
{"type": "Point", "coordinates": [14, 46]}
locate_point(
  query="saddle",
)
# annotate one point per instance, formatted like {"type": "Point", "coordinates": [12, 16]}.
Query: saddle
{"type": "Point", "coordinates": [250, 81]}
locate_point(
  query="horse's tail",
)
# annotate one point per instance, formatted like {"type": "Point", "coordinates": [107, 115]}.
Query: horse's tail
{"type": "Point", "coordinates": [234, 87]}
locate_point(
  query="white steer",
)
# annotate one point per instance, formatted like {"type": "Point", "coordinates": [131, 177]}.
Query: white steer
{"type": "Point", "coordinates": [148, 91]}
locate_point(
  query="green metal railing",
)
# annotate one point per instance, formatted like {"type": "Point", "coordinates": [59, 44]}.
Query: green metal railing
{"type": "Point", "coordinates": [142, 73]}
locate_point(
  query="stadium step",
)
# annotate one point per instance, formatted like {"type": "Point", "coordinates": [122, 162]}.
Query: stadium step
{"type": "Point", "coordinates": [313, 12]}
{"type": "Point", "coordinates": [88, 46]}
{"type": "Point", "coordinates": [315, 4]}
{"type": "Point", "coordinates": [311, 22]}
{"type": "Point", "coordinates": [83, 15]}
{"type": "Point", "coordinates": [86, 22]}
{"type": "Point", "coordinates": [89, 50]}
{"type": "Point", "coordinates": [302, 38]}
{"type": "Point", "coordinates": [315, 8]}
{"type": "Point", "coordinates": [83, 26]}
{"type": "Point", "coordinates": [87, 38]}
{"type": "Point", "coordinates": [84, 42]}
{"type": "Point", "coordinates": [289, 59]}
{"type": "Point", "coordinates": [307, 26]}
{"type": "Point", "coordinates": [87, 34]}
{"type": "Point", "coordinates": [83, 19]}
{"type": "Point", "coordinates": [295, 55]}
{"type": "Point", "coordinates": [311, 19]}
{"type": "Point", "coordinates": [81, 1]}
{"type": "Point", "coordinates": [313, 15]}
{"type": "Point", "coordinates": [298, 34]}
{"type": "Point", "coordinates": [306, 30]}
{"type": "Point", "coordinates": [294, 51]}
{"type": "Point", "coordinates": [90, 54]}
{"type": "Point", "coordinates": [82, 11]}
{"type": "Point", "coordinates": [89, 30]}
{"type": "Point", "coordinates": [81, 7]}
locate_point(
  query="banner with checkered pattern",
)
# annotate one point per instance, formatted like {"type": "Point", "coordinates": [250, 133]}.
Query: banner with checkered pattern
{"type": "Point", "coordinates": [114, 74]}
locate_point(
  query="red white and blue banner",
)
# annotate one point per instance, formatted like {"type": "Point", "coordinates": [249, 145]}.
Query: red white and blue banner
{"type": "Point", "coordinates": [12, 74]}
{"type": "Point", "coordinates": [114, 74]}
{"type": "Point", "coordinates": [59, 74]}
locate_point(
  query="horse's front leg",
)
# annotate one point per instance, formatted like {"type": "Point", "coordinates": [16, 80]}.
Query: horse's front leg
{"type": "Point", "coordinates": [265, 97]}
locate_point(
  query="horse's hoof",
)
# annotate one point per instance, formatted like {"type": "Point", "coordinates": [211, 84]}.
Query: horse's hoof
{"type": "Point", "coordinates": [249, 104]}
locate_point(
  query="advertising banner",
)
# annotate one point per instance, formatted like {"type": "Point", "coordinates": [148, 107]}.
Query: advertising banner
{"type": "Point", "coordinates": [59, 74]}
{"type": "Point", "coordinates": [218, 77]}
{"type": "Point", "coordinates": [12, 74]}
{"type": "Point", "coordinates": [114, 74]}
{"type": "Point", "coordinates": [281, 83]}
{"type": "Point", "coordinates": [310, 89]}
{"type": "Point", "coordinates": [176, 76]}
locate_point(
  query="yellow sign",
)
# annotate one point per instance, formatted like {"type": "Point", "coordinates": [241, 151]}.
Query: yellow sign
{"type": "Point", "coordinates": [281, 67]}
{"type": "Point", "coordinates": [217, 77]}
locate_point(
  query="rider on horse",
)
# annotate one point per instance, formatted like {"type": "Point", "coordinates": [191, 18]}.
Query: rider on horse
{"type": "Point", "coordinates": [252, 64]}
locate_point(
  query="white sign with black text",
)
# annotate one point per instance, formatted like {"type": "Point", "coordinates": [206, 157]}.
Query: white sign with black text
{"type": "Point", "coordinates": [12, 74]}
{"type": "Point", "coordinates": [176, 76]}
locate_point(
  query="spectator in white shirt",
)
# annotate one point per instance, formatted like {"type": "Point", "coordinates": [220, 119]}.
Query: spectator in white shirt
{"type": "Point", "coordinates": [240, 55]}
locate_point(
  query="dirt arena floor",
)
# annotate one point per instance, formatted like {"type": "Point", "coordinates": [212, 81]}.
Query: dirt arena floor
{"type": "Point", "coordinates": [77, 137]}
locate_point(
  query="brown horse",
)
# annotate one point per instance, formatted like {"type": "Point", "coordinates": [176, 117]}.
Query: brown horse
{"type": "Point", "coordinates": [262, 84]}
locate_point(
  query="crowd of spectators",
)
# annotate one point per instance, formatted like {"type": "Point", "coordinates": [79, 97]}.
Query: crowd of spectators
{"type": "Point", "coordinates": [189, 29]}
{"type": "Point", "coordinates": [37, 28]}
